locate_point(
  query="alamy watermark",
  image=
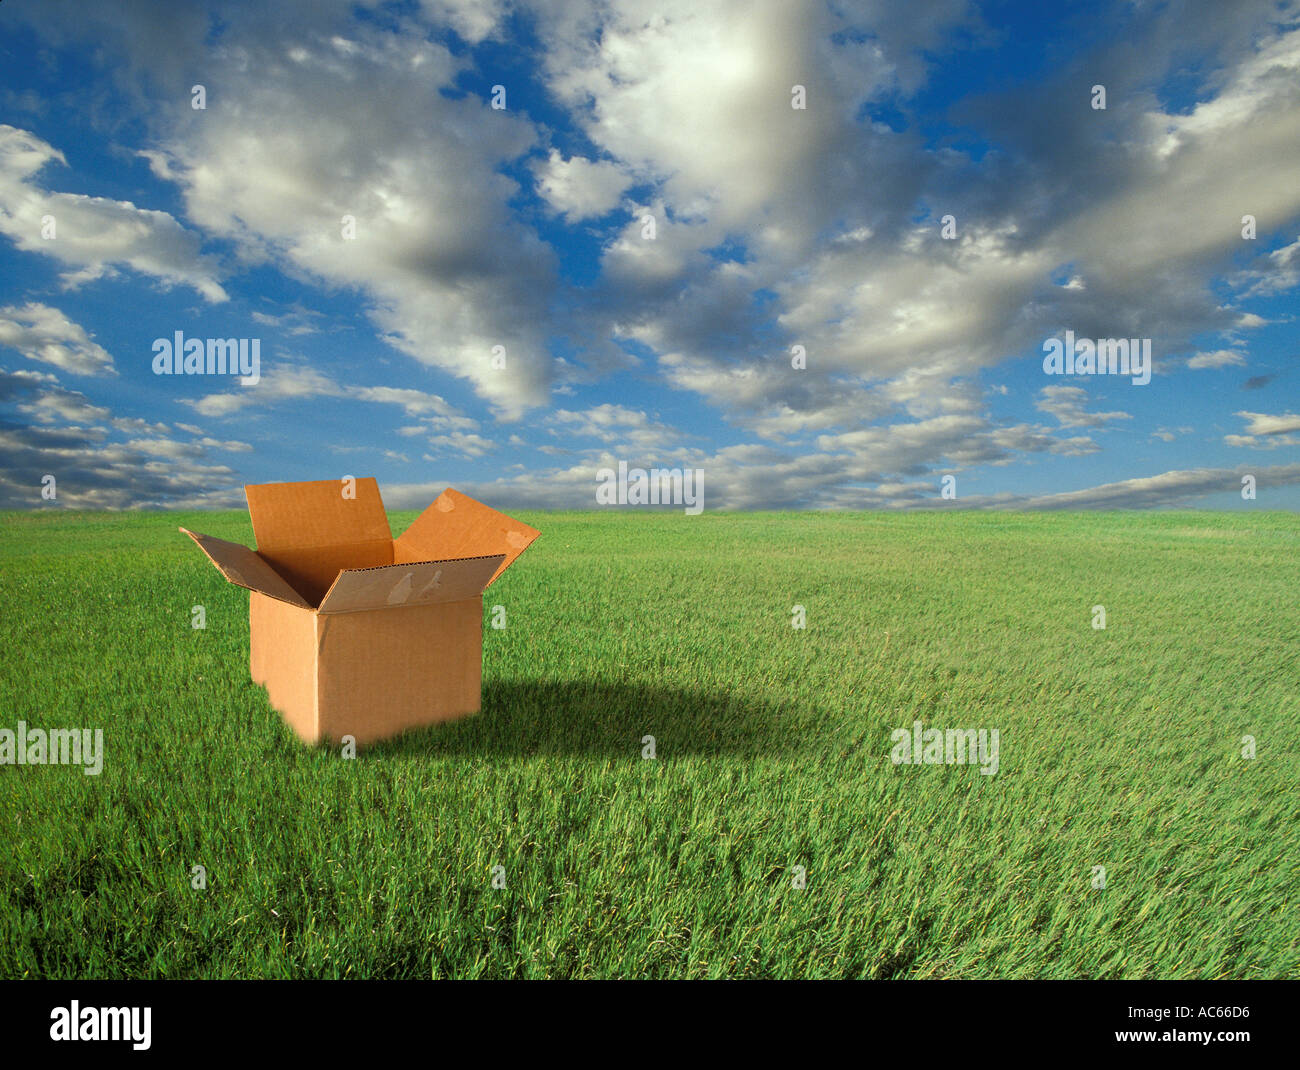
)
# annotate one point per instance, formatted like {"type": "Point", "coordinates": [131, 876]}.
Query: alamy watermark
{"type": "Point", "coordinates": [951, 746]}
{"type": "Point", "coordinates": [57, 746]}
{"type": "Point", "coordinates": [179, 355]}
{"type": "Point", "coordinates": [1105, 356]}
{"type": "Point", "coordinates": [75, 1022]}
{"type": "Point", "coordinates": [658, 486]}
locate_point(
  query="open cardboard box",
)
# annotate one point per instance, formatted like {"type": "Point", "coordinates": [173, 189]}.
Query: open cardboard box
{"type": "Point", "coordinates": [353, 632]}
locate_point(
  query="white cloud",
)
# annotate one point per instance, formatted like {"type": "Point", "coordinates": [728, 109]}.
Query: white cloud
{"type": "Point", "coordinates": [58, 406]}
{"type": "Point", "coordinates": [1173, 488]}
{"type": "Point", "coordinates": [619, 429]}
{"type": "Point", "coordinates": [413, 402]}
{"type": "Point", "coordinates": [229, 445]}
{"type": "Point", "coordinates": [295, 381]}
{"type": "Point", "coordinates": [72, 438]}
{"type": "Point", "coordinates": [733, 480]}
{"type": "Point", "coordinates": [286, 382]}
{"type": "Point", "coordinates": [697, 98]}
{"type": "Point", "coordinates": [93, 235]}
{"type": "Point", "coordinates": [297, 321]}
{"type": "Point", "coordinates": [578, 188]}
{"type": "Point", "coordinates": [471, 19]}
{"type": "Point", "coordinates": [1260, 423]}
{"type": "Point", "coordinates": [458, 442]}
{"type": "Point", "coordinates": [45, 334]}
{"type": "Point", "coordinates": [1066, 404]}
{"type": "Point", "coordinates": [1266, 432]}
{"type": "Point", "coordinates": [1219, 358]}
{"type": "Point", "coordinates": [446, 271]}
{"type": "Point", "coordinates": [1280, 275]}
{"type": "Point", "coordinates": [774, 226]}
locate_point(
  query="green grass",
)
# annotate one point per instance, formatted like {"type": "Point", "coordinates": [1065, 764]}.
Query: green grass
{"type": "Point", "coordinates": [1119, 748]}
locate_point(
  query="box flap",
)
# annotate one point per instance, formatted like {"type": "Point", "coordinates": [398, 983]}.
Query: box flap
{"type": "Point", "coordinates": [242, 566]}
{"type": "Point", "coordinates": [410, 584]}
{"type": "Point", "coordinates": [458, 526]}
{"type": "Point", "coordinates": [308, 531]}
{"type": "Point", "coordinates": [312, 515]}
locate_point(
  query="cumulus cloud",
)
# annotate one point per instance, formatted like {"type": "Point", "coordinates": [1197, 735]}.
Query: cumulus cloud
{"type": "Point", "coordinates": [773, 226]}
{"type": "Point", "coordinates": [76, 440]}
{"type": "Point", "coordinates": [45, 334]}
{"type": "Point", "coordinates": [618, 428]}
{"type": "Point", "coordinates": [1280, 273]}
{"type": "Point", "coordinates": [93, 236]}
{"type": "Point", "coordinates": [1260, 423]}
{"type": "Point", "coordinates": [1266, 431]}
{"type": "Point", "coordinates": [874, 299]}
{"type": "Point", "coordinates": [579, 188]}
{"type": "Point", "coordinates": [403, 201]}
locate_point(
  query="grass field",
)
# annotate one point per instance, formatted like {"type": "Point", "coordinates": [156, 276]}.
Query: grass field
{"type": "Point", "coordinates": [1119, 748]}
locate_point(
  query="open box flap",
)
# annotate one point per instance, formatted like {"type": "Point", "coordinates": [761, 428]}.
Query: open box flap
{"type": "Point", "coordinates": [300, 516]}
{"type": "Point", "coordinates": [243, 567]}
{"type": "Point", "coordinates": [458, 526]}
{"type": "Point", "coordinates": [410, 584]}
{"type": "Point", "coordinates": [309, 531]}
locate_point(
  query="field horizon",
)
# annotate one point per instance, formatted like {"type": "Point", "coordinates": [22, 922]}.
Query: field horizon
{"type": "Point", "coordinates": [1139, 821]}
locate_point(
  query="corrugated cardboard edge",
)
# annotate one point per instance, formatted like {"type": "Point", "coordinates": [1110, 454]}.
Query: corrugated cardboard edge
{"type": "Point", "coordinates": [244, 568]}
{"type": "Point", "coordinates": [350, 592]}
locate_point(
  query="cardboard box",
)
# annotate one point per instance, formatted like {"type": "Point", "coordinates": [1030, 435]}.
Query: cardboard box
{"type": "Point", "coordinates": [353, 632]}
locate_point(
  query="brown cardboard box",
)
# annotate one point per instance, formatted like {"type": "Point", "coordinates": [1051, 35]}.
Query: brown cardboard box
{"type": "Point", "coordinates": [354, 632]}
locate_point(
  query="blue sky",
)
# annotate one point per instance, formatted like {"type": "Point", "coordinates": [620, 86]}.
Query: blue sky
{"type": "Point", "coordinates": [774, 226]}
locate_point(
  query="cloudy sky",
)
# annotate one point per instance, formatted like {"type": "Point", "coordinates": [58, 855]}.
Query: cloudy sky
{"type": "Point", "coordinates": [622, 262]}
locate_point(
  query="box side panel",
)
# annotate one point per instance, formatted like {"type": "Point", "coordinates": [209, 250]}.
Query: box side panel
{"type": "Point", "coordinates": [282, 658]}
{"type": "Point", "coordinates": [386, 670]}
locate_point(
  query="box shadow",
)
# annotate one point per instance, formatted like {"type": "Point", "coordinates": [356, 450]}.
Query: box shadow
{"type": "Point", "coordinates": [608, 719]}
